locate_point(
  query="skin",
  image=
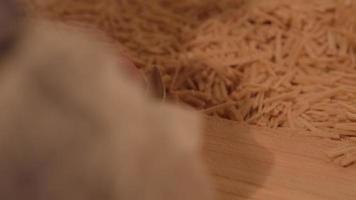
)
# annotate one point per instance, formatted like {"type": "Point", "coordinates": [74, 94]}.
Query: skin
{"type": "Point", "coordinates": [75, 126]}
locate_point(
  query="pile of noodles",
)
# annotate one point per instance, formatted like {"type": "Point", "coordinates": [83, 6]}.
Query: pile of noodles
{"type": "Point", "coordinates": [273, 63]}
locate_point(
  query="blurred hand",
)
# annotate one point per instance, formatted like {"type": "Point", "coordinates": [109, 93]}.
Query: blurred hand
{"type": "Point", "coordinates": [76, 126]}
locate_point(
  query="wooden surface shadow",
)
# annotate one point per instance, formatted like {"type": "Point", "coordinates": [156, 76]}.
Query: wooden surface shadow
{"type": "Point", "coordinates": [239, 165]}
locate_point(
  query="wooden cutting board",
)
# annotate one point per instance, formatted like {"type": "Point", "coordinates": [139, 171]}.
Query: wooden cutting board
{"type": "Point", "coordinates": [261, 164]}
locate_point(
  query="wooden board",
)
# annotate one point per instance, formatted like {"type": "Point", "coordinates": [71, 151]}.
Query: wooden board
{"type": "Point", "coordinates": [260, 164]}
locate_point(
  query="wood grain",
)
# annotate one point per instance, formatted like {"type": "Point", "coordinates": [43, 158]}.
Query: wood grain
{"type": "Point", "coordinates": [260, 164]}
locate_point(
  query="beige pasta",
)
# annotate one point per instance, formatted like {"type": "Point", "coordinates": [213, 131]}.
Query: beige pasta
{"type": "Point", "coordinates": [273, 63]}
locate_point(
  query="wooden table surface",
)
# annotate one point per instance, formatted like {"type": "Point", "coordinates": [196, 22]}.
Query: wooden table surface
{"type": "Point", "coordinates": [259, 164]}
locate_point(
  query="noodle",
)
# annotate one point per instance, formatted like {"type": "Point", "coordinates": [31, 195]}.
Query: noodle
{"type": "Point", "coordinates": [273, 63]}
